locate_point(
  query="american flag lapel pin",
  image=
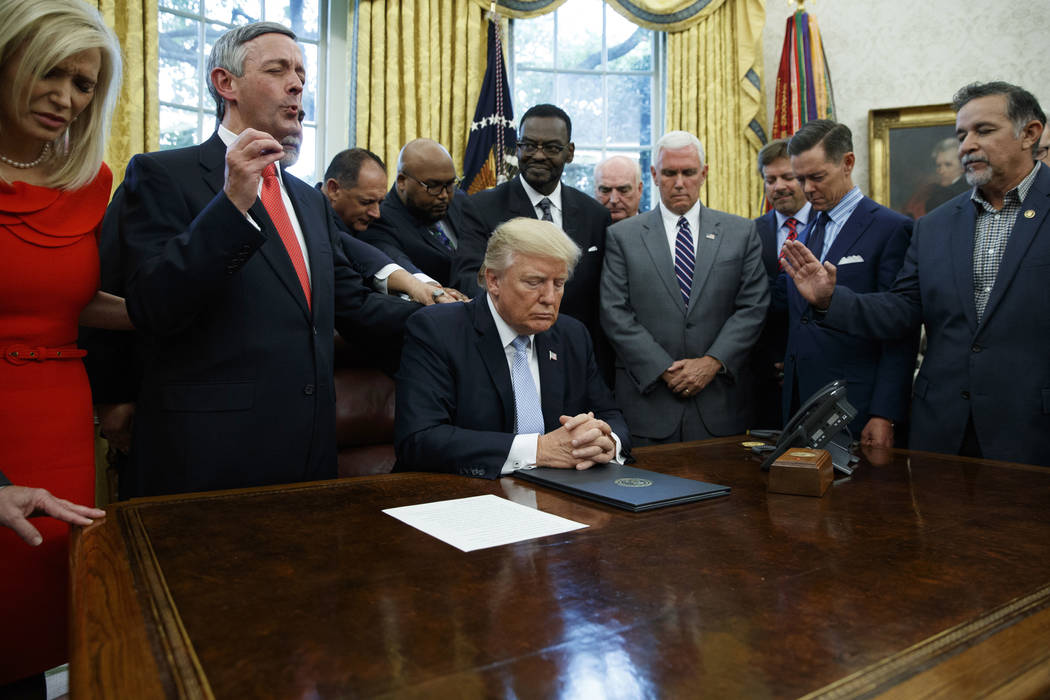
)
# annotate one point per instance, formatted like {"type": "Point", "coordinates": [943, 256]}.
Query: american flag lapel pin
{"type": "Point", "coordinates": [551, 355]}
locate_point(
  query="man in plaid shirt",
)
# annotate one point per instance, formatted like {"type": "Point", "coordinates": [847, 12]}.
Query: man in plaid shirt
{"type": "Point", "coordinates": [977, 274]}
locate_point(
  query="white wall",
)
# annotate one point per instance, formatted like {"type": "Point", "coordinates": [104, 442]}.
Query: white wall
{"type": "Point", "coordinates": [902, 53]}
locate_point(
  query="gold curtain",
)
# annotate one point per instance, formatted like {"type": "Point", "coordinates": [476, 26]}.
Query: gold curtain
{"type": "Point", "coordinates": [714, 90]}
{"type": "Point", "coordinates": [136, 122]}
{"type": "Point", "coordinates": [419, 69]}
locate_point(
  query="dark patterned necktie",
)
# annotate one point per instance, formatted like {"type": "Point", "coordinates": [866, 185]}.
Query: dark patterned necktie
{"type": "Point", "coordinates": [438, 233]}
{"type": "Point", "coordinates": [545, 207]}
{"type": "Point", "coordinates": [815, 240]}
{"type": "Point", "coordinates": [684, 260]}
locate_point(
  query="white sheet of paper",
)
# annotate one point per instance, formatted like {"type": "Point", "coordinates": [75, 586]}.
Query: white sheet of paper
{"type": "Point", "coordinates": [478, 522]}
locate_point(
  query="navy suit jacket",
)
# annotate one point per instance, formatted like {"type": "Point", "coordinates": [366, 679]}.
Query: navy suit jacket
{"type": "Point", "coordinates": [397, 232]}
{"type": "Point", "coordinates": [996, 370]}
{"type": "Point", "coordinates": [455, 402]}
{"type": "Point", "coordinates": [237, 377]}
{"type": "Point", "coordinates": [584, 220]}
{"type": "Point", "coordinates": [766, 396]}
{"type": "Point", "coordinates": [879, 373]}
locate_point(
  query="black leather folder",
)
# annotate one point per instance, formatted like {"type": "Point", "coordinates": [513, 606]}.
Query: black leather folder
{"type": "Point", "coordinates": [625, 487]}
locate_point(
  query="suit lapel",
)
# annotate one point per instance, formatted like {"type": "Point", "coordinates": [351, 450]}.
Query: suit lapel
{"type": "Point", "coordinates": [490, 348]}
{"type": "Point", "coordinates": [519, 201]}
{"type": "Point", "coordinates": [767, 232]}
{"type": "Point", "coordinates": [855, 226]}
{"type": "Point", "coordinates": [213, 163]}
{"type": "Point", "coordinates": [708, 240]}
{"type": "Point", "coordinates": [654, 238]}
{"type": "Point", "coordinates": [1021, 237]}
{"type": "Point", "coordinates": [961, 252]}
{"type": "Point", "coordinates": [570, 214]}
{"type": "Point", "coordinates": [552, 376]}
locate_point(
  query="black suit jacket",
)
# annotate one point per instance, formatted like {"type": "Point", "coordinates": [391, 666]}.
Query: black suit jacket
{"type": "Point", "coordinates": [237, 377]}
{"type": "Point", "coordinates": [398, 232]}
{"type": "Point", "coordinates": [585, 221]}
{"type": "Point", "coordinates": [455, 401]}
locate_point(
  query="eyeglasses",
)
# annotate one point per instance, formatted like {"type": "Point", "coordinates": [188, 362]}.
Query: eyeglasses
{"type": "Point", "coordinates": [436, 190]}
{"type": "Point", "coordinates": [551, 149]}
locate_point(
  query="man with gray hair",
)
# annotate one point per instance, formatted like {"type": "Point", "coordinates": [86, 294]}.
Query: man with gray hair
{"type": "Point", "coordinates": [683, 299]}
{"type": "Point", "coordinates": [503, 383]}
{"type": "Point", "coordinates": [235, 280]}
{"type": "Point", "coordinates": [618, 186]}
{"type": "Point", "coordinates": [975, 275]}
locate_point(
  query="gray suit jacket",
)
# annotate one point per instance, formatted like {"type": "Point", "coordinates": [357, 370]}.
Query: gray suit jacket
{"type": "Point", "coordinates": [650, 327]}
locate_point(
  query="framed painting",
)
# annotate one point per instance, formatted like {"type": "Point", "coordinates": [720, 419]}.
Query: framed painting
{"type": "Point", "coordinates": [913, 158]}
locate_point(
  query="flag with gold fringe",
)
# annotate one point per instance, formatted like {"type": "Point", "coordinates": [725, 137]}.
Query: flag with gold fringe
{"type": "Point", "coordinates": [487, 160]}
{"type": "Point", "coordinates": [803, 81]}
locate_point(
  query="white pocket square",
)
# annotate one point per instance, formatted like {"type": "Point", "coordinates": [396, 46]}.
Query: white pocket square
{"type": "Point", "coordinates": [850, 259]}
{"type": "Point", "coordinates": [592, 249]}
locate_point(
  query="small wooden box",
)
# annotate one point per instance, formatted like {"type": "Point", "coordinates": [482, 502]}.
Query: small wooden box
{"type": "Point", "coordinates": [801, 471]}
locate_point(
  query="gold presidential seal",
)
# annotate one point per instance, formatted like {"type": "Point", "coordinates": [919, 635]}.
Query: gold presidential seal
{"type": "Point", "coordinates": [633, 483]}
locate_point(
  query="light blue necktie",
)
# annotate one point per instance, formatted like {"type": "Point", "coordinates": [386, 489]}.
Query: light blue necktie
{"type": "Point", "coordinates": [528, 414]}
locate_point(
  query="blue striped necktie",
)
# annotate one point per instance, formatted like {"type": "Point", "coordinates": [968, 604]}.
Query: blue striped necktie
{"type": "Point", "coordinates": [684, 261]}
{"type": "Point", "coordinates": [528, 414]}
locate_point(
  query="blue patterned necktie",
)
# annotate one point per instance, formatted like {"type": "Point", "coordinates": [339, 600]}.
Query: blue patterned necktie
{"type": "Point", "coordinates": [684, 261]}
{"type": "Point", "coordinates": [439, 233]}
{"type": "Point", "coordinates": [815, 240]}
{"type": "Point", "coordinates": [528, 414]}
{"type": "Point", "coordinates": [545, 207]}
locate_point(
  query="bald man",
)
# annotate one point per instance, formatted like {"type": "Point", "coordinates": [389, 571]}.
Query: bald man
{"type": "Point", "coordinates": [618, 186]}
{"type": "Point", "coordinates": [422, 218]}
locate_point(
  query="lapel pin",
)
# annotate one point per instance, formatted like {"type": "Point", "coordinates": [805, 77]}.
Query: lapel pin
{"type": "Point", "coordinates": [552, 355]}
{"type": "Point", "coordinates": [711, 236]}
{"type": "Point", "coordinates": [1029, 214]}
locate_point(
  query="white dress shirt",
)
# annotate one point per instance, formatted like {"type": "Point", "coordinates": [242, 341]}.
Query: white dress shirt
{"type": "Point", "coordinates": [555, 197]}
{"type": "Point", "coordinates": [671, 225]}
{"type": "Point", "coordinates": [228, 137]}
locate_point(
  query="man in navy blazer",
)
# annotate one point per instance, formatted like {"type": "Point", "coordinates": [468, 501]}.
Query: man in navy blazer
{"type": "Point", "coordinates": [544, 149]}
{"type": "Point", "coordinates": [788, 217]}
{"type": "Point", "coordinates": [422, 217]}
{"type": "Point", "coordinates": [236, 307]}
{"type": "Point", "coordinates": [502, 382]}
{"type": "Point", "coordinates": [867, 242]}
{"type": "Point", "coordinates": [976, 275]}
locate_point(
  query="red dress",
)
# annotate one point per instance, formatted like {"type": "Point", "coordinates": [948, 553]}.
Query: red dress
{"type": "Point", "coordinates": [48, 273]}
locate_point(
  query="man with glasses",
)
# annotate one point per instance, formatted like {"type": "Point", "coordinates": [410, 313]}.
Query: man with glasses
{"type": "Point", "coordinates": [544, 148]}
{"type": "Point", "coordinates": [422, 218]}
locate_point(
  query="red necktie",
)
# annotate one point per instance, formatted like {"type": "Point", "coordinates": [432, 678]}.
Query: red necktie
{"type": "Point", "coordinates": [271, 199]}
{"type": "Point", "coordinates": [792, 224]}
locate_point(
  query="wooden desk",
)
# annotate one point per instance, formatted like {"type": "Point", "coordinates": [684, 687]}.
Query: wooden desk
{"type": "Point", "coordinates": [926, 573]}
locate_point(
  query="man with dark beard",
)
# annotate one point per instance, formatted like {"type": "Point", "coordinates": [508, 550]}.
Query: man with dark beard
{"type": "Point", "coordinates": [422, 217]}
{"type": "Point", "coordinates": [976, 275]}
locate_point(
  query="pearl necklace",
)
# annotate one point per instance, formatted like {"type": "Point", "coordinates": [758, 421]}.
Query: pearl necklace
{"type": "Point", "coordinates": [44, 153]}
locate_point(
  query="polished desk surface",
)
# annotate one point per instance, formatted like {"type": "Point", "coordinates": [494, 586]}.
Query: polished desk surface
{"type": "Point", "coordinates": [920, 574]}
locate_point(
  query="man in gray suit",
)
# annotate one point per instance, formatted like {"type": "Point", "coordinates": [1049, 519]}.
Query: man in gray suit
{"type": "Point", "coordinates": [683, 299]}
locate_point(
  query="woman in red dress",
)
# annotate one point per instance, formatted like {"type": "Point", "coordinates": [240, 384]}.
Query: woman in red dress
{"type": "Point", "coordinates": [59, 75]}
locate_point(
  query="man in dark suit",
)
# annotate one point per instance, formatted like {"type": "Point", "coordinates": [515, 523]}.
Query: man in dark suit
{"type": "Point", "coordinates": [544, 148]}
{"type": "Point", "coordinates": [422, 216]}
{"type": "Point", "coordinates": [235, 279]}
{"type": "Point", "coordinates": [976, 275]}
{"type": "Point", "coordinates": [785, 221]}
{"type": "Point", "coordinates": [684, 296]}
{"type": "Point", "coordinates": [867, 242]}
{"type": "Point", "coordinates": [354, 184]}
{"type": "Point", "coordinates": [502, 383]}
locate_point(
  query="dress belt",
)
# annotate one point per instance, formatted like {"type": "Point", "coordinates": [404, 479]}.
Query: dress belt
{"type": "Point", "coordinates": [20, 353]}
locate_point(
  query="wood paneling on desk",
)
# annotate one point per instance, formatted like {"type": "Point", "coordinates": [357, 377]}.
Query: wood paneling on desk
{"type": "Point", "coordinates": [920, 574]}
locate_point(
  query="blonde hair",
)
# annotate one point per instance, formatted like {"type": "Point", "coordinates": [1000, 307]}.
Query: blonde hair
{"type": "Point", "coordinates": [49, 31]}
{"type": "Point", "coordinates": [524, 236]}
